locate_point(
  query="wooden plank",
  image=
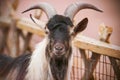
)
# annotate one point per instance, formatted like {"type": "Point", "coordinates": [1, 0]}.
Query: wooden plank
{"type": "Point", "coordinates": [28, 25]}
{"type": "Point", "coordinates": [24, 24]}
{"type": "Point", "coordinates": [3, 37]}
{"type": "Point", "coordinates": [80, 41]}
{"type": "Point", "coordinates": [14, 39]}
{"type": "Point", "coordinates": [5, 21]}
{"type": "Point", "coordinates": [97, 46]}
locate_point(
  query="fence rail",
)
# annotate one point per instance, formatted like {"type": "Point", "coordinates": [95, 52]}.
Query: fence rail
{"type": "Point", "coordinates": [80, 41]}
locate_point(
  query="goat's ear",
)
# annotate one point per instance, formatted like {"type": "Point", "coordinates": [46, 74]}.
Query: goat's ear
{"type": "Point", "coordinates": [80, 27]}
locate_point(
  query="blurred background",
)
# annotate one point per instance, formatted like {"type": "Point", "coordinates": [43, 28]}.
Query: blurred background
{"type": "Point", "coordinates": [110, 17]}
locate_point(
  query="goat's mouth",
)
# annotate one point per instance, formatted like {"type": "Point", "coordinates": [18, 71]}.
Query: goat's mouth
{"type": "Point", "coordinates": [58, 53]}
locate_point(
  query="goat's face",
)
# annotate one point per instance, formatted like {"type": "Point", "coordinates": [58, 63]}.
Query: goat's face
{"type": "Point", "coordinates": [60, 35]}
{"type": "Point", "coordinates": [59, 40]}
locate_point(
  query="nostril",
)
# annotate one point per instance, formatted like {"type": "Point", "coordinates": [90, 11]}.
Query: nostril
{"type": "Point", "coordinates": [59, 48]}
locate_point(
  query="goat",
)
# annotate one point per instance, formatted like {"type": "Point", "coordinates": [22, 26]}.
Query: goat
{"type": "Point", "coordinates": [52, 58]}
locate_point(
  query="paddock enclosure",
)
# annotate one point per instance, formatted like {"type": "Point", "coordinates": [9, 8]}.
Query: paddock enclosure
{"type": "Point", "coordinates": [94, 59]}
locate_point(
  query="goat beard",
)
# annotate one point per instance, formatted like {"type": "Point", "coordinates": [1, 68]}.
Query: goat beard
{"type": "Point", "coordinates": [58, 65]}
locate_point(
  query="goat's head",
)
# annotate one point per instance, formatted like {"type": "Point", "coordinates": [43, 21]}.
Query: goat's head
{"type": "Point", "coordinates": [60, 29]}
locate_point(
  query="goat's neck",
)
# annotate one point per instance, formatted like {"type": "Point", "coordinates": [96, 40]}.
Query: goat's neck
{"type": "Point", "coordinates": [59, 66]}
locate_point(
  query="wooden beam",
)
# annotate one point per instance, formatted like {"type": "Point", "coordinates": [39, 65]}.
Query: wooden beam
{"type": "Point", "coordinates": [28, 25]}
{"type": "Point", "coordinates": [24, 24]}
{"type": "Point", "coordinates": [97, 46]}
{"type": "Point", "coordinates": [80, 41]}
{"type": "Point", "coordinates": [5, 21]}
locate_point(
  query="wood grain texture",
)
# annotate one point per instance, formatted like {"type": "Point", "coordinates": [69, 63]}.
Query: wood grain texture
{"type": "Point", "coordinates": [97, 46]}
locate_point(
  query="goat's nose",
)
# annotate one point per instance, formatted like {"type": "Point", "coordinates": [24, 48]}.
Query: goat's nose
{"type": "Point", "coordinates": [59, 48]}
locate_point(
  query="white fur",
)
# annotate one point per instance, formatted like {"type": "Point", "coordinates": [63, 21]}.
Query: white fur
{"type": "Point", "coordinates": [69, 68]}
{"type": "Point", "coordinates": [38, 67]}
{"type": "Point", "coordinates": [70, 63]}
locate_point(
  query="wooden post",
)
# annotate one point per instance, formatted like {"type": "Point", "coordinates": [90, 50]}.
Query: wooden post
{"type": "Point", "coordinates": [3, 43]}
{"type": "Point", "coordinates": [105, 30]}
{"type": "Point", "coordinates": [90, 64]}
{"type": "Point", "coordinates": [13, 39]}
{"type": "Point", "coordinates": [27, 40]}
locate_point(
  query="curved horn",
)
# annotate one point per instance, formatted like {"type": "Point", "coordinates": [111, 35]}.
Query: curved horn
{"type": "Point", "coordinates": [47, 8]}
{"type": "Point", "coordinates": [72, 9]}
{"type": "Point", "coordinates": [37, 22]}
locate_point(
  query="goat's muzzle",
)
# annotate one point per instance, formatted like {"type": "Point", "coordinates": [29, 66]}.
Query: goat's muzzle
{"type": "Point", "coordinates": [59, 49]}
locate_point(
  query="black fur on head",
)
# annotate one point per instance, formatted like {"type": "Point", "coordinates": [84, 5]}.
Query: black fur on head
{"type": "Point", "coordinates": [59, 35]}
{"type": "Point", "coordinates": [56, 20]}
